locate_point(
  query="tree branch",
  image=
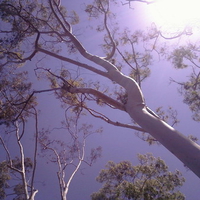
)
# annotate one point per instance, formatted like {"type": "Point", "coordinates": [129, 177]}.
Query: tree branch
{"type": "Point", "coordinates": [88, 67]}
{"type": "Point", "coordinates": [29, 98]}
{"type": "Point", "coordinates": [99, 95]}
{"type": "Point", "coordinates": [33, 191]}
{"type": "Point", "coordinates": [106, 119]}
{"type": "Point", "coordinates": [109, 33]}
{"type": "Point", "coordinates": [23, 173]}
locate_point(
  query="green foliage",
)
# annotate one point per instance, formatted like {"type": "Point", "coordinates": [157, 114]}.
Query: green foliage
{"type": "Point", "coordinates": [97, 9]}
{"type": "Point", "coordinates": [148, 180]}
{"type": "Point", "coordinates": [4, 178]}
{"type": "Point", "coordinates": [15, 90]}
{"type": "Point", "coordinates": [138, 60]}
{"type": "Point", "coordinates": [19, 24]}
{"type": "Point", "coordinates": [186, 56]}
{"type": "Point", "coordinates": [30, 26]}
{"type": "Point", "coordinates": [19, 192]}
{"type": "Point", "coordinates": [22, 21]}
{"type": "Point", "coordinates": [16, 163]}
{"type": "Point", "coordinates": [8, 174]}
{"type": "Point", "coordinates": [180, 55]}
{"type": "Point", "coordinates": [191, 93]}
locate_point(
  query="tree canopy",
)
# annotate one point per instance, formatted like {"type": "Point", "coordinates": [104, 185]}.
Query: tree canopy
{"type": "Point", "coordinates": [93, 76]}
{"type": "Point", "coordinates": [148, 180]}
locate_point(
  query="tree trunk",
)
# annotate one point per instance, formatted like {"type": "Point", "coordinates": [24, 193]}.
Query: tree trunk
{"type": "Point", "coordinates": [183, 148]}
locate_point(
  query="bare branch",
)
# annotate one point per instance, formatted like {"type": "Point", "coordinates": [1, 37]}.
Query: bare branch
{"type": "Point", "coordinates": [176, 36]}
{"type": "Point", "coordinates": [23, 173]}
{"type": "Point", "coordinates": [33, 191]}
{"type": "Point", "coordinates": [109, 33]}
{"type": "Point", "coordinates": [142, 1]}
{"type": "Point", "coordinates": [22, 60]}
{"type": "Point", "coordinates": [58, 18]}
{"type": "Point", "coordinates": [6, 149]}
{"type": "Point", "coordinates": [88, 67]}
{"type": "Point", "coordinates": [109, 121]}
{"type": "Point", "coordinates": [81, 158]}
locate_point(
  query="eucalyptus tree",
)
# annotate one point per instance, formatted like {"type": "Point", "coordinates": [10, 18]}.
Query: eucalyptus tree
{"type": "Point", "coordinates": [18, 170]}
{"type": "Point", "coordinates": [150, 179]}
{"type": "Point", "coordinates": [10, 172]}
{"type": "Point", "coordinates": [33, 28]}
{"type": "Point", "coordinates": [69, 152]}
{"type": "Point", "coordinates": [16, 167]}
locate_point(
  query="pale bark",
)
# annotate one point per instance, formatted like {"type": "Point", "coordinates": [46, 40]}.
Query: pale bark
{"type": "Point", "coordinates": [65, 184]}
{"type": "Point", "coordinates": [81, 158]}
{"type": "Point", "coordinates": [22, 172]}
{"type": "Point", "coordinates": [183, 148]}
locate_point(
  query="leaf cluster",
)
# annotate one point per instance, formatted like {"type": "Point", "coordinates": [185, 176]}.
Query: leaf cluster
{"type": "Point", "coordinates": [15, 91]}
{"type": "Point", "coordinates": [185, 57]}
{"type": "Point", "coordinates": [19, 24]}
{"type": "Point", "coordinates": [4, 178]}
{"type": "Point", "coordinates": [148, 180]}
{"type": "Point", "coordinates": [8, 172]}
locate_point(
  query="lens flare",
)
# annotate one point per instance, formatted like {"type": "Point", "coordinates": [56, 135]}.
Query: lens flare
{"type": "Point", "coordinates": [177, 13]}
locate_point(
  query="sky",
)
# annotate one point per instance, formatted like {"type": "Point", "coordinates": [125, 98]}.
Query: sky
{"type": "Point", "coordinates": [118, 144]}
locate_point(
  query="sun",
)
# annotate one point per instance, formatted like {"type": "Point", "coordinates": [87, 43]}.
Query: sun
{"type": "Point", "coordinates": [175, 13]}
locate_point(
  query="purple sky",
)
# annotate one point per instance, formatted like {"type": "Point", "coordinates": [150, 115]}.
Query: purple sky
{"type": "Point", "coordinates": [118, 143]}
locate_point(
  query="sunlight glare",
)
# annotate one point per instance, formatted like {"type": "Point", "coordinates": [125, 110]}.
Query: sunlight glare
{"type": "Point", "coordinates": [176, 13]}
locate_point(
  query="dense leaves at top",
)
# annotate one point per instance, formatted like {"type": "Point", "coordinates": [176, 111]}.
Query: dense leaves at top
{"type": "Point", "coordinates": [148, 180]}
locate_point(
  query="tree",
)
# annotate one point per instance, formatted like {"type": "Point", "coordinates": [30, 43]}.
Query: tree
{"type": "Point", "coordinates": [148, 180]}
{"type": "Point", "coordinates": [18, 108]}
{"type": "Point", "coordinates": [14, 90]}
{"type": "Point", "coordinates": [8, 171]}
{"type": "Point", "coordinates": [45, 25]}
{"type": "Point", "coordinates": [43, 29]}
{"type": "Point", "coordinates": [71, 153]}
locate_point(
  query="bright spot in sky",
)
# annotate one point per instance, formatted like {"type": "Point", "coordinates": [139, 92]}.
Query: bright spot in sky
{"type": "Point", "coordinates": [176, 13]}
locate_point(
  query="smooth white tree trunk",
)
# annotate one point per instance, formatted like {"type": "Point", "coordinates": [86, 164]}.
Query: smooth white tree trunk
{"type": "Point", "coordinates": [183, 148]}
